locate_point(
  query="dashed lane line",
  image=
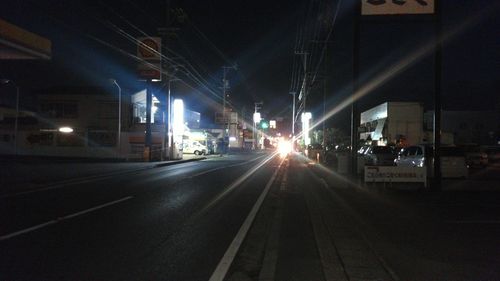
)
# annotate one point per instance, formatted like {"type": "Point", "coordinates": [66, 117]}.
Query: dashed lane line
{"type": "Point", "coordinates": [61, 219]}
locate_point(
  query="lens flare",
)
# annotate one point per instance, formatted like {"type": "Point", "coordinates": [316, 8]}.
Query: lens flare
{"type": "Point", "coordinates": [284, 147]}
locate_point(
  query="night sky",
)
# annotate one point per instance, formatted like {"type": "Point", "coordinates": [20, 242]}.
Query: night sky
{"type": "Point", "coordinates": [260, 36]}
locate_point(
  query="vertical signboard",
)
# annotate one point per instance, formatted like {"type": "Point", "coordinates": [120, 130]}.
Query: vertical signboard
{"type": "Point", "coordinates": [149, 52]}
{"type": "Point", "coordinates": [397, 7]}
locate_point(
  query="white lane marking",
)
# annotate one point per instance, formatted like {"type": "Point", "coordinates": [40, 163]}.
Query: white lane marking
{"type": "Point", "coordinates": [472, 221]}
{"type": "Point", "coordinates": [60, 219]}
{"type": "Point", "coordinates": [233, 185]}
{"type": "Point", "coordinates": [268, 269]}
{"type": "Point", "coordinates": [221, 270]}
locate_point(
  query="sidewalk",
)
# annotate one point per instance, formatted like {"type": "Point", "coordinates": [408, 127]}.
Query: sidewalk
{"type": "Point", "coordinates": [302, 233]}
{"type": "Point", "coordinates": [19, 176]}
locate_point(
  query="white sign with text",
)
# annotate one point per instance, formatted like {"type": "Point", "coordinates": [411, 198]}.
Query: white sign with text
{"type": "Point", "coordinates": [395, 174]}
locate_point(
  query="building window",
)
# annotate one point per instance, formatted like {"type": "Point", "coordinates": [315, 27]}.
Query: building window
{"type": "Point", "coordinates": [59, 109]}
{"type": "Point", "coordinates": [139, 108]}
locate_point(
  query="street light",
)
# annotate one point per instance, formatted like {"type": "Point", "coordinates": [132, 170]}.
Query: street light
{"type": "Point", "coordinates": [113, 81]}
{"type": "Point", "coordinates": [5, 82]}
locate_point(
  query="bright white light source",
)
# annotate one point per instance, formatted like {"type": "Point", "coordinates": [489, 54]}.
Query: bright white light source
{"type": "Point", "coordinates": [272, 124]}
{"type": "Point", "coordinates": [284, 147]}
{"type": "Point", "coordinates": [306, 117]}
{"type": "Point", "coordinates": [232, 139]}
{"type": "Point", "coordinates": [66, 130]}
{"type": "Point", "coordinates": [178, 122]}
{"type": "Point", "coordinates": [256, 117]}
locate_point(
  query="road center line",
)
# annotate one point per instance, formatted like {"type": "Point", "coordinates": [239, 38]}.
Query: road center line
{"type": "Point", "coordinates": [226, 261]}
{"type": "Point", "coordinates": [61, 219]}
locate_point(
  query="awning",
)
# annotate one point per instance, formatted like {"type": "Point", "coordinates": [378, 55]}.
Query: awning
{"type": "Point", "coordinates": [17, 43]}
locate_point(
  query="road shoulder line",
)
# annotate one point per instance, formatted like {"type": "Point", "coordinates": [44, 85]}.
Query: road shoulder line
{"type": "Point", "coordinates": [61, 219]}
{"type": "Point", "coordinates": [268, 269]}
{"type": "Point", "coordinates": [225, 263]}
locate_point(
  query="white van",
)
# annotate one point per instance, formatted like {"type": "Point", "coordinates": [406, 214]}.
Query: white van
{"type": "Point", "coordinates": [453, 164]}
{"type": "Point", "coordinates": [195, 147]}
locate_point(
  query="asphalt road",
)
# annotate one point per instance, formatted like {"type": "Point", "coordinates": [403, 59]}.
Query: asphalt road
{"type": "Point", "coordinates": [168, 223]}
{"type": "Point", "coordinates": [179, 223]}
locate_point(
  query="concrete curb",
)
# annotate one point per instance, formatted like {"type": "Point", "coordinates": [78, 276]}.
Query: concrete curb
{"type": "Point", "coordinates": [169, 163]}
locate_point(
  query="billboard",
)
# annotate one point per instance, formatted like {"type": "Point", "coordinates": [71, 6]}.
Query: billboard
{"type": "Point", "coordinates": [149, 53]}
{"type": "Point", "coordinates": [397, 7]}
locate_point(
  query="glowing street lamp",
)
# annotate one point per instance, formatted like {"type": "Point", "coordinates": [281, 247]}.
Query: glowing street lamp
{"type": "Point", "coordinates": [256, 119]}
{"type": "Point", "coordinates": [305, 118]}
{"type": "Point", "coordinates": [178, 122]}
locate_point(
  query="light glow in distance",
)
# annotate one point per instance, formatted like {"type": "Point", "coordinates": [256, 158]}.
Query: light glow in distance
{"type": "Point", "coordinates": [256, 117]}
{"type": "Point", "coordinates": [66, 130]}
{"type": "Point", "coordinates": [284, 147]}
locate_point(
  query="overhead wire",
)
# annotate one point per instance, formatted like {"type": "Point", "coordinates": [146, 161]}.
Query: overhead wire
{"type": "Point", "coordinates": [325, 46]}
{"type": "Point", "coordinates": [196, 76]}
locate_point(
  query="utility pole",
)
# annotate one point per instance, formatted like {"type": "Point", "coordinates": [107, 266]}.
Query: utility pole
{"type": "Point", "coordinates": [324, 113]}
{"type": "Point", "coordinates": [304, 88]}
{"type": "Point", "coordinates": [166, 33]}
{"type": "Point", "coordinates": [149, 101]}
{"type": "Point", "coordinates": [225, 87]}
{"type": "Point", "coordinates": [293, 115]}
{"type": "Point", "coordinates": [325, 90]}
{"type": "Point", "coordinates": [303, 91]}
{"type": "Point", "coordinates": [355, 85]}
{"type": "Point", "coordinates": [436, 186]}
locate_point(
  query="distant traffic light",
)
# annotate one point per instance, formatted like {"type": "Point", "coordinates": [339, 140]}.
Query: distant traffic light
{"type": "Point", "coordinates": [264, 124]}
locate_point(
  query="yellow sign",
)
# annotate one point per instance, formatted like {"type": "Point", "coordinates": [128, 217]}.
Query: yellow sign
{"type": "Point", "coordinates": [149, 51]}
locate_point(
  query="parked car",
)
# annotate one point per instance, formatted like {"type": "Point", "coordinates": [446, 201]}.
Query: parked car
{"type": "Point", "coordinates": [475, 156]}
{"type": "Point", "coordinates": [453, 163]}
{"type": "Point", "coordinates": [379, 155]}
{"type": "Point", "coordinates": [195, 147]}
{"type": "Point", "coordinates": [313, 151]}
{"type": "Point", "coordinates": [332, 152]}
